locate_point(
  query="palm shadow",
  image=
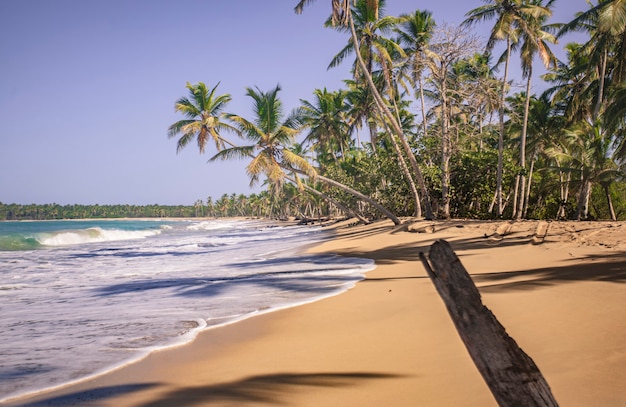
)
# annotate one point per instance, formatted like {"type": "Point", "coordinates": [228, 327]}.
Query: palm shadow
{"type": "Point", "coordinates": [611, 269]}
{"type": "Point", "coordinates": [273, 388]}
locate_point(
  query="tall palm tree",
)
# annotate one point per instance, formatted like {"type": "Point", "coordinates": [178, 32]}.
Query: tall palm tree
{"type": "Point", "coordinates": [506, 12]}
{"type": "Point", "coordinates": [203, 110]}
{"type": "Point", "coordinates": [269, 152]}
{"type": "Point", "coordinates": [342, 15]}
{"type": "Point", "coordinates": [373, 46]}
{"type": "Point", "coordinates": [534, 40]}
{"type": "Point", "coordinates": [414, 33]}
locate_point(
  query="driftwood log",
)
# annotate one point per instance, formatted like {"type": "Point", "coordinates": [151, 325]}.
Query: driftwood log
{"type": "Point", "coordinates": [512, 376]}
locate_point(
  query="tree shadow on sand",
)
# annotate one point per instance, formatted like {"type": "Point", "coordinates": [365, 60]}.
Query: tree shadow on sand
{"type": "Point", "coordinates": [272, 388]}
{"type": "Point", "coordinates": [610, 269]}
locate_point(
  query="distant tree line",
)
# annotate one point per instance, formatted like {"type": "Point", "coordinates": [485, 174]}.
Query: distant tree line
{"type": "Point", "coordinates": [56, 211]}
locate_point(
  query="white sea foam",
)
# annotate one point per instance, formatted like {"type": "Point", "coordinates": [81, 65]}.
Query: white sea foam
{"type": "Point", "coordinates": [91, 235]}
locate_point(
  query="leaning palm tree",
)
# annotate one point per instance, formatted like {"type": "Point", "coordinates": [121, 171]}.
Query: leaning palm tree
{"type": "Point", "coordinates": [373, 46]}
{"type": "Point", "coordinates": [342, 15]}
{"type": "Point", "coordinates": [270, 137]}
{"type": "Point", "coordinates": [203, 111]}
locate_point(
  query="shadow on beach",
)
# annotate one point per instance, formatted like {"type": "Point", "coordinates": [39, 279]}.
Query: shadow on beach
{"type": "Point", "coordinates": [273, 388]}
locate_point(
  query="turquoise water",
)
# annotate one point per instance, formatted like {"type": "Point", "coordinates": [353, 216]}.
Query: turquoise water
{"type": "Point", "coordinates": [79, 298]}
{"type": "Point", "coordinates": [39, 234]}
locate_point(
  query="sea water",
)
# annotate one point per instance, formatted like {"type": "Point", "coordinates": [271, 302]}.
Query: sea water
{"type": "Point", "coordinates": [79, 298]}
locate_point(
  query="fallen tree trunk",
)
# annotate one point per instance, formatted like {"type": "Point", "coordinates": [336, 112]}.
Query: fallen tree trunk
{"type": "Point", "coordinates": [512, 376]}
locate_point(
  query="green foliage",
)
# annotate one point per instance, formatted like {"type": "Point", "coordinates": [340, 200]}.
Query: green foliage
{"type": "Point", "coordinates": [56, 211]}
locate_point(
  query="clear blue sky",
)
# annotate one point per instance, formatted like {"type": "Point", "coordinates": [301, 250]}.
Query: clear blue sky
{"type": "Point", "coordinates": [87, 88]}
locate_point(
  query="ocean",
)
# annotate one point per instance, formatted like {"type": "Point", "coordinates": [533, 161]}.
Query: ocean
{"type": "Point", "coordinates": [80, 298]}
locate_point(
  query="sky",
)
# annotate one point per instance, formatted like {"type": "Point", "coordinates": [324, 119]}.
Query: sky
{"type": "Point", "coordinates": [87, 88]}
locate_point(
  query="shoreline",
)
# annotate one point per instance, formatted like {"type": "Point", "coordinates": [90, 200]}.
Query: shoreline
{"type": "Point", "coordinates": [389, 339]}
{"type": "Point", "coordinates": [201, 325]}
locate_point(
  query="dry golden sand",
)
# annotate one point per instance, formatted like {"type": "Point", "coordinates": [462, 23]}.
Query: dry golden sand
{"type": "Point", "coordinates": [558, 288]}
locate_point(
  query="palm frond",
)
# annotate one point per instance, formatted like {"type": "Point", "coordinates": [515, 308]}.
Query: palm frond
{"type": "Point", "coordinates": [234, 152]}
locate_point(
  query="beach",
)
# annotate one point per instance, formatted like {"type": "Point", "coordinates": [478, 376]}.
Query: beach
{"type": "Point", "coordinates": [557, 287]}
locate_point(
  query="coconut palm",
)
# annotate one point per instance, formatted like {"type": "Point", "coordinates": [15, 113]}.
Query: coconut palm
{"type": "Point", "coordinates": [328, 123]}
{"type": "Point", "coordinates": [534, 41]}
{"type": "Point", "coordinates": [373, 46]}
{"type": "Point", "coordinates": [269, 152]}
{"type": "Point", "coordinates": [342, 15]}
{"type": "Point", "coordinates": [571, 88]}
{"type": "Point", "coordinates": [506, 12]}
{"type": "Point", "coordinates": [586, 149]}
{"type": "Point", "coordinates": [606, 24]}
{"type": "Point", "coordinates": [414, 33]}
{"type": "Point", "coordinates": [203, 110]}
{"type": "Point", "coordinates": [615, 118]}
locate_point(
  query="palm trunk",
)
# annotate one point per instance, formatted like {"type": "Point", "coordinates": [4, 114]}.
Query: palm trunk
{"type": "Point", "coordinates": [583, 200]}
{"type": "Point", "coordinates": [423, 106]}
{"type": "Point", "coordinates": [385, 112]}
{"type": "Point", "coordinates": [530, 179]}
{"type": "Point", "coordinates": [501, 135]}
{"type": "Point", "coordinates": [515, 195]}
{"type": "Point", "coordinates": [609, 202]}
{"type": "Point", "coordinates": [445, 152]}
{"type": "Point", "coordinates": [564, 195]}
{"type": "Point", "coordinates": [602, 74]}
{"type": "Point", "coordinates": [522, 150]}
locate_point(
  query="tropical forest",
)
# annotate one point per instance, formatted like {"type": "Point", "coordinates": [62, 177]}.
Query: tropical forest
{"type": "Point", "coordinates": [432, 125]}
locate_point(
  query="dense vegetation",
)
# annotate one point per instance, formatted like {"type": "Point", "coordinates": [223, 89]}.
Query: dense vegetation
{"type": "Point", "coordinates": [56, 211]}
{"type": "Point", "coordinates": [447, 136]}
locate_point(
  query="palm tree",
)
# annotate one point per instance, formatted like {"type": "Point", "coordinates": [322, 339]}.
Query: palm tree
{"type": "Point", "coordinates": [534, 41]}
{"type": "Point", "coordinates": [342, 15]}
{"type": "Point", "coordinates": [362, 108]}
{"type": "Point", "coordinates": [414, 33]}
{"type": "Point", "coordinates": [606, 24]}
{"type": "Point", "coordinates": [203, 112]}
{"type": "Point", "coordinates": [572, 87]}
{"type": "Point", "coordinates": [615, 118]}
{"type": "Point", "coordinates": [505, 12]}
{"type": "Point", "coordinates": [269, 153]}
{"type": "Point", "coordinates": [327, 121]}
{"type": "Point", "coordinates": [587, 151]}
{"type": "Point", "coordinates": [369, 25]}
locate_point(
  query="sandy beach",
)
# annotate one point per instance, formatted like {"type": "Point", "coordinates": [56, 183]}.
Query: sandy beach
{"type": "Point", "coordinates": [557, 287]}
